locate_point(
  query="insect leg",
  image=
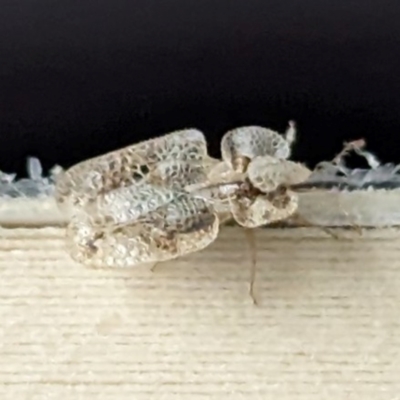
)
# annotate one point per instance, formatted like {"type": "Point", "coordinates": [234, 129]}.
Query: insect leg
{"type": "Point", "coordinates": [251, 240]}
{"type": "Point", "coordinates": [299, 219]}
{"type": "Point", "coordinates": [154, 266]}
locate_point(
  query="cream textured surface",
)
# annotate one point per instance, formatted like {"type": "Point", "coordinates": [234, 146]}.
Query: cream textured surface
{"type": "Point", "coordinates": [327, 327]}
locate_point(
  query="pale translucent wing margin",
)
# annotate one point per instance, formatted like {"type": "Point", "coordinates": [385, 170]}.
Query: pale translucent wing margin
{"type": "Point", "coordinates": [268, 173]}
{"type": "Point", "coordinates": [127, 166]}
{"type": "Point", "coordinates": [184, 225]}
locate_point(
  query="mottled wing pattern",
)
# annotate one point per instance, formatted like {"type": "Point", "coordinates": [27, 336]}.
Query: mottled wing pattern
{"type": "Point", "coordinates": [263, 209]}
{"type": "Point", "coordinates": [183, 225]}
{"type": "Point", "coordinates": [267, 173]}
{"type": "Point", "coordinates": [130, 206]}
{"type": "Point", "coordinates": [241, 145]}
{"type": "Point", "coordinates": [128, 166]}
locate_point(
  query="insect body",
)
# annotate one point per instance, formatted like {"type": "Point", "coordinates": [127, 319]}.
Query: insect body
{"type": "Point", "coordinates": [165, 197]}
{"type": "Point", "coordinates": [130, 206]}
